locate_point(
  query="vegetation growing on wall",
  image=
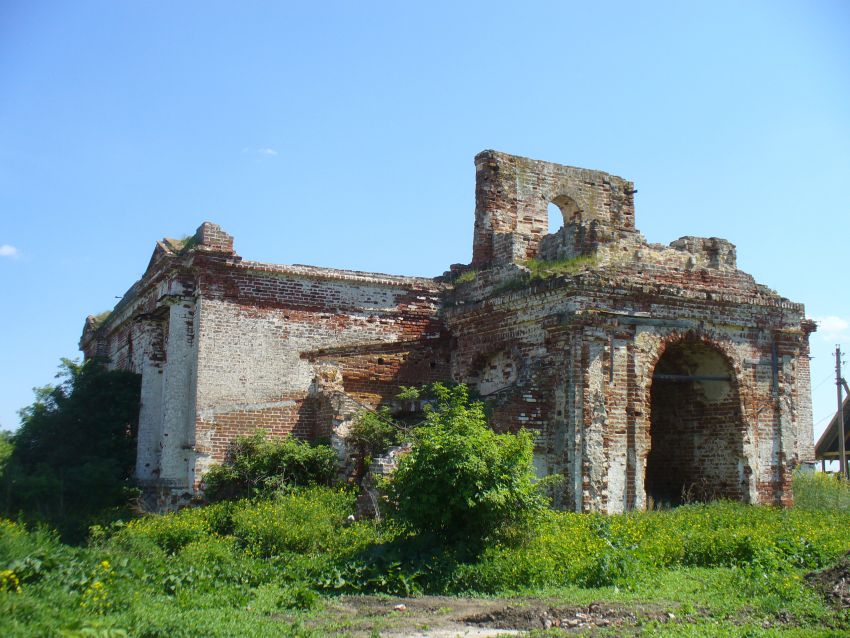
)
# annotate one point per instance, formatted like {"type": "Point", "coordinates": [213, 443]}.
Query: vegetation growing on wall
{"type": "Point", "coordinates": [543, 269]}
{"type": "Point", "coordinates": [372, 434]}
{"type": "Point", "coordinates": [466, 277]}
{"type": "Point", "coordinates": [101, 318]}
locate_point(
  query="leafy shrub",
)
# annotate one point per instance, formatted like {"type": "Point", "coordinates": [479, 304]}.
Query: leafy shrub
{"type": "Point", "coordinates": [408, 393]}
{"type": "Point", "coordinates": [373, 433]}
{"type": "Point", "coordinates": [258, 466]}
{"type": "Point", "coordinates": [462, 482]}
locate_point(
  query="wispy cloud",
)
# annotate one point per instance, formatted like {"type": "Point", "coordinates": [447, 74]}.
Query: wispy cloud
{"type": "Point", "coordinates": [265, 151]}
{"type": "Point", "coordinates": [9, 251]}
{"type": "Point", "coordinates": [833, 328]}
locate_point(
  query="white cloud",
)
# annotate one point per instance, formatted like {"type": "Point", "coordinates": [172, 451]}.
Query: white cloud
{"type": "Point", "coordinates": [9, 251]}
{"type": "Point", "coordinates": [267, 151]}
{"type": "Point", "coordinates": [833, 328]}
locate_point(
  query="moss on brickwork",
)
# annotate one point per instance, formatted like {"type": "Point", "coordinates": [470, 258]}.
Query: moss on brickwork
{"type": "Point", "coordinates": [101, 318]}
{"type": "Point", "coordinates": [188, 244]}
{"type": "Point", "coordinates": [183, 245]}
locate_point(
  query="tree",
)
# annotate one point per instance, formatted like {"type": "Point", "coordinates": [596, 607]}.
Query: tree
{"type": "Point", "coordinates": [462, 482]}
{"type": "Point", "coordinates": [73, 455]}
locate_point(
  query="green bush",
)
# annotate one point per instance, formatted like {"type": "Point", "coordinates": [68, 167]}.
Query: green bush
{"type": "Point", "coordinates": [258, 466]}
{"type": "Point", "coordinates": [462, 482]}
{"type": "Point", "coordinates": [373, 433]}
{"type": "Point", "coordinates": [72, 458]}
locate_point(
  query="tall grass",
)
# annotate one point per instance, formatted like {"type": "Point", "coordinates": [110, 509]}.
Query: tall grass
{"type": "Point", "coordinates": [821, 491]}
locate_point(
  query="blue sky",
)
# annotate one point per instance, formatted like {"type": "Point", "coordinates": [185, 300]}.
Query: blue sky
{"type": "Point", "coordinates": [342, 134]}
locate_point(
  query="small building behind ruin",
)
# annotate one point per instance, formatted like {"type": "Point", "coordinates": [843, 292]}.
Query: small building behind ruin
{"type": "Point", "coordinates": [649, 373]}
{"type": "Point", "coordinates": [828, 446]}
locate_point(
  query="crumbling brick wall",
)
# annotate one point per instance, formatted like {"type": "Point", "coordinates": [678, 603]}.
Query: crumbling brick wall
{"type": "Point", "coordinates": [616, 362]}
{"type": "Point", "coordinates": [227, 346]}
{"type": "Point", "coordinates": [584, 346]}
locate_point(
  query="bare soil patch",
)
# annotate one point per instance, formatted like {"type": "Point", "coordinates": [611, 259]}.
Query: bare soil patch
{"type": "Point", "coordinates": [443, 616]}
{"type": "Point", "coordinates": [578, 617]}
{"type": "Point", "coordinates": [833, 583]}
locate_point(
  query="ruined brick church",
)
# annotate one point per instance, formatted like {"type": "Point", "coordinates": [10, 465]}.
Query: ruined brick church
{"type": "Point", "coordinates": [646, 371]}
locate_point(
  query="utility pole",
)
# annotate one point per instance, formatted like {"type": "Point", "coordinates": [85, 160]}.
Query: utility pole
{"type": "Point", "coordinates": [840, 417]}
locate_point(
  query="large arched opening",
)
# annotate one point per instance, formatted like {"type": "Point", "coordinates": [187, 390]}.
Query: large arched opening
{"type": "Point", "coordinates": [696, 427]}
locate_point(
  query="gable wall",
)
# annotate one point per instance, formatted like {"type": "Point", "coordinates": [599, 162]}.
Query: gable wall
{"type": "Point", "coordinates": [263, 334]}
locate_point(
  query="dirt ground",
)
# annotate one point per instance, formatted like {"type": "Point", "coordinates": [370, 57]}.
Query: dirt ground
{"type": "Point", "coordinates": [834, 583]}
{"type": "Point", "coordinates": [445, 617]}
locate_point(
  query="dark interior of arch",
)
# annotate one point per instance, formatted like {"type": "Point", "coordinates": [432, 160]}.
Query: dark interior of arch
{"type": "Point", "coordinates": [696, 428]}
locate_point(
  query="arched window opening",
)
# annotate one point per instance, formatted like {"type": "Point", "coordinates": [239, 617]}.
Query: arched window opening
{"type": "Point", "coordinates": [561, 211]}
{"type": "Point", "coordinates": [696, 428]}
{"type": "Point", "coordinates": [556, 219]}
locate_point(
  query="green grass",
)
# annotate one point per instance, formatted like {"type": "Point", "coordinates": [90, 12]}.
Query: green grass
{"type": "Point", "coordinates": [271, 568]}
{"type": "Point", "coordinates": [542, 269]}
{"type": "Point", "coordinates": [466, 277]}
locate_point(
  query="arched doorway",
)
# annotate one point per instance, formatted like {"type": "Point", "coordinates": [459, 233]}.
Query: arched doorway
{"type": "Point", "coordinates": [696, 427]}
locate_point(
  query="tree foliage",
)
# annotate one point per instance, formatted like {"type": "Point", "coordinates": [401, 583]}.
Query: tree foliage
{"type": "Point", "coordinates": [463, 482]}
{"type": "Point", "coordinates": [257, 466]}
{"type": "Point", "coordinates": [74, 453]}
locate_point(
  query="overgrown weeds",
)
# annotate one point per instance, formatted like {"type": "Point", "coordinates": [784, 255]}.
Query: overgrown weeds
{"type": "Point", "coordinates": [821, 491]}
{"type": "Point", "coordinates": [246, 562]}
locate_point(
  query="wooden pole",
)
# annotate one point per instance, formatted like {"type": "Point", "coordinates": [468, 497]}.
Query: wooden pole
{"type": "Point", "coordinates": [842, 458]}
